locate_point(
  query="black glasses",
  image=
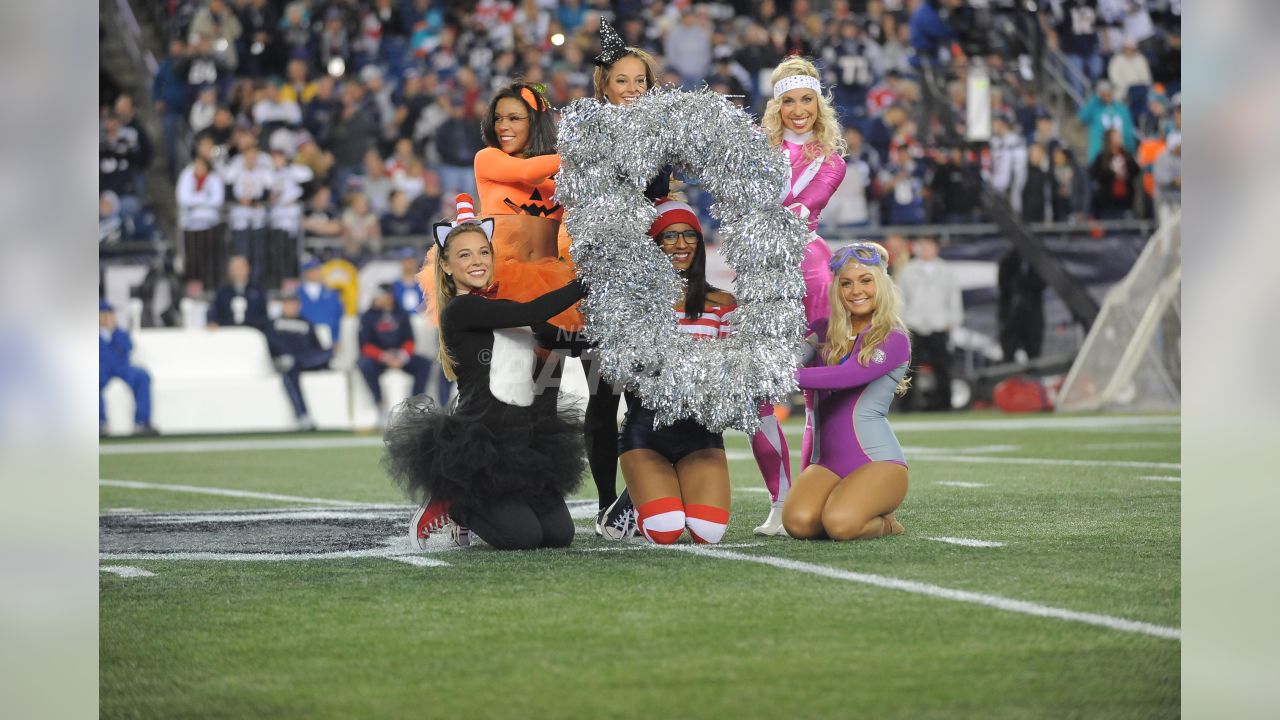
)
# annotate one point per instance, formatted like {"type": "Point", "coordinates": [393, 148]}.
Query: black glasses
{"type": "Point", "coordinates": [671, 237]}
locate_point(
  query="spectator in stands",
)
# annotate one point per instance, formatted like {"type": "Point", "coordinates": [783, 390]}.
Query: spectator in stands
{"type": "Point", "coordinates": [1104, 113]}
{"type": "Point", "coordinates": [298, 88]}
{"type": "Point", "coordinates": [321, 220]}
{"type": "Point", "coordinates": [295, 348]}
{"type": "Point", "coordinates": [1157, 121]}
{"type": "Point", "coordinates": [1168, 176]}
{"type": "Point", "coordinates": [1070, 187]}
{"type": "Point", "coordinates": [110, 222]}
{"type": "Point", "coordinates": [200, 195]}
{"type": "Point", "coordinates": [239, 302]}
{"type": "Point", "coordinates": [386, 341]}
{"type": "Point", "coordinates": [143, 153]}
{"type": "Point", "coordinates": [902, 178]}
{"type": "Point", "coordinates": [953, 189]}
{"type": "Point", "coordinates": [457, 141]}
{"type": "Point", "coordinates": [249, 176]}
{"type": "Point", "coordinates": [1128, 68]}
{"type": "Point", "coordinates": [1115, 177]}
{"type": "Point", "coordinates": [1075, 33]}
{"type": "Point", "coordinates": [406, 289]}
{"type": "Point", "coordinates": [222, 134]}
{"type": "Point", "coordinates": [284, 216]}
{"type": "Point", "coordinates": [932, 308]}
{"type": "Point", "coordinates": [688, 47]}
{"type": "Point", "coordinates": [117, 166]}
{"type": "Point", "coordinates": [899, 253]}
{"type": "Point", "coordinates": [219, 25]}
{"type": "Point", "coordinates": [169, 91]}
{"type": "Point", "coordinates": [850, 205]}
{"type": "Point", "coordinates": [201, 67]}
{"type": "Point", "coordinates": [1021, 308]}
{"type": "Point", "coordinates": [114, 347]}
{"type": "Point", "coordinates": [203, 110]}
{"type": "Point", "coordinates": [319, 113]}
{"type": "Point", "coordinates": [272, 111]}
{"type": "Point", "coordinates": [1168, 67]}
{"type": "Point", "coordinates": [375, 184]}
{"type": "Point", "coordinates": [1037, 191]}
{"type": "Point", "coordinates": [361, 232]}
{"type": "Point", "coordinates": [350, 136]}
{"type": "Point", "coordinates": [1008, 161]}
{"type": "Point", "coordinates": [259, 23]}
{"type": "Point", "coordinates": [320, 304]}
{"type": "Point", "coordinates": [400, 220]}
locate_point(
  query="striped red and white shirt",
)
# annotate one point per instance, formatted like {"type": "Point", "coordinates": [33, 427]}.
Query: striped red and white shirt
{"type": "Point", "coordinates": [714, 322]}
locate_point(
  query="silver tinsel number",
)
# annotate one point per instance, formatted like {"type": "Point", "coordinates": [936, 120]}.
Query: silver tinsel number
{"type": "Point", "coordinates": [608, 154]}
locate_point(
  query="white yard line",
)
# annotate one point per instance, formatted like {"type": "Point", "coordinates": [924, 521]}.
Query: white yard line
{"type": "Point", "coordinates": [961, 483]}
{"type": "Point", "coordinates": [419, 560]}
{"type": "Point", "coordinates": [126, 571]}
{"type": "Point", "coordinates": [227, 492]}
{"type": "Point", "coordinates": [1083, 424]}
{"type": "Point", "coordinates": [256, 557]}
{"type": "Point", "coordinates": [1162, 423]}
{"type": "Point", "coordinates": [967, 542]}
{"type": "Point", "coordinates": [200, 446]}
{"type": "Point", "coordinates": [992, 460]}
{"type": "Point", "coordinates": [1129, 445]}
{"type": "Point", "coordinates": [937, 591]}
{"type": "Point", "coordinates": [1161, 478]}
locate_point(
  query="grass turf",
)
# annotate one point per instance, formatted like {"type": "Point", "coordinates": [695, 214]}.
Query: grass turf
{"type": "Point", "coordinates": [643, 632]}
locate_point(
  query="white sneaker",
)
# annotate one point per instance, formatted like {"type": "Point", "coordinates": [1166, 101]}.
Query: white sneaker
{"type": "Point", "coordinates": [773, 524]}
{"type": "Point", "coordinates": [461, 536]}
{"type": "Point", "coordinates": [306, 424]}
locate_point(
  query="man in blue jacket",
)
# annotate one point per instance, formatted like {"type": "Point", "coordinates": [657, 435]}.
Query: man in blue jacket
{"type": "Point", "coordinates": [320, 303]}
{"type": "Point", "coordinates": [386, 341]}
{"type": "Point", "coordinates": [294, 348]}
{"type": "Point", "coordinates": [114, 347]}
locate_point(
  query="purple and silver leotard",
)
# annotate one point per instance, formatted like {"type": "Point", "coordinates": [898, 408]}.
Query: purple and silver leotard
{"type": "Point", "coordinates": [850, 403]}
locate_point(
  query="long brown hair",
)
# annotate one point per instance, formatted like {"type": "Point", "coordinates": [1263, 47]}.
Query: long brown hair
{"type": "Point", "coordinates": [446, 291]}
{"type": "Point", "coordinates": [601, 75]}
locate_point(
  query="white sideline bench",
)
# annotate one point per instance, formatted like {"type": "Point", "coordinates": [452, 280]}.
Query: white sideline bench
{"type": "Point", "coordinates": [221, 381]}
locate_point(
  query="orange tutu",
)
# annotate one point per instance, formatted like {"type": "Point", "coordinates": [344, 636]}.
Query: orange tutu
{"type": "Point", "coordinates": [526, 265]}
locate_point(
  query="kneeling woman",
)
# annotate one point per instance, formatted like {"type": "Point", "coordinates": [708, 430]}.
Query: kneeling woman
{"type": "Point", "coordinates": [678, 475]}
{"type": "Point", "coordinates": [500, 463]}
{"type": "Point", "coordinates": [858, 475]}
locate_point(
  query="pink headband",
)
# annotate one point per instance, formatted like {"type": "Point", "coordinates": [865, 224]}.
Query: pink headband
{"type": "Point", "coordinates": [791, 82]}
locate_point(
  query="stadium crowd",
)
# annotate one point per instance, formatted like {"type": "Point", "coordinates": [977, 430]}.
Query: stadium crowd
{"type": "Point", "coordinates": [352, 119]}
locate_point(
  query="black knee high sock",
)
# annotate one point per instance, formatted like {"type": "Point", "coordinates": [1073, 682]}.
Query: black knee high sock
{"type": "Point", "coordinates": [602, 442]}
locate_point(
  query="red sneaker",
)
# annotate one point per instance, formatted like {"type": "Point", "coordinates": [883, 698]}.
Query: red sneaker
{"type": "Point", "coordinates": [432, 516]}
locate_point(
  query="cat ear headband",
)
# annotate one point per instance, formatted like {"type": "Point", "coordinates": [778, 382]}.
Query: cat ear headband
{"type": "Point", "coordinates": [466, 214]}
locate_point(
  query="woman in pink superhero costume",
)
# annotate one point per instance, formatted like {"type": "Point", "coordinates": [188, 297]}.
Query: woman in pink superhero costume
{"type": "Point", "coordinates": [801, 122]}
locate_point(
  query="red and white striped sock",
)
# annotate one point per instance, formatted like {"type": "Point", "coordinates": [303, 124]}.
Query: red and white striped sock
{"type": "Point", "coordinates": [662, 520]}
{"type": "Point", "coordinates": [707, 523]}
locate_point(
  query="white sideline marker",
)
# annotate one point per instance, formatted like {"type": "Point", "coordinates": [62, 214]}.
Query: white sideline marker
{"type": "Point", "coordinates": [1161, 478]}
{"type": "Point", "coordinates": [225, 492]}
{"type": "Point", "coordinates": [966, 542]}
{"type": "Point", "coordinates": [418, 560]}
{"type": "Point", "coordinates": [961, 483]}
{"type": "Point", "coordinates": [937, 591]}
{"type": "Point", "coordinates": [126, 571]}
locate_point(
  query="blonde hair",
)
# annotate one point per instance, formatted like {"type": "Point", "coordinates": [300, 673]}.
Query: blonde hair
{"type": "Point", "coordinates": [600, 77]}
{"type": "Point", "coordinates": [828, 138]}
{"type": "Point", "coordinates": [446, 291]}
{"type": "Point", "coordinates": [884, 319]}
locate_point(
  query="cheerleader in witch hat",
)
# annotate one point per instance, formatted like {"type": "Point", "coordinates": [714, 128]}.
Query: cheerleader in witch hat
{"type": "Point", "coordinates": [498, 463]}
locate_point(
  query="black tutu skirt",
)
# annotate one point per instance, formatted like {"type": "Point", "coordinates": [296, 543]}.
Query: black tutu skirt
{"type": "Point", "coordinates": [474, 458]}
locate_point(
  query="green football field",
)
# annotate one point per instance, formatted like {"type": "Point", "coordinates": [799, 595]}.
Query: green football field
{"type": "Point", "coordinates": [270, 576]}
